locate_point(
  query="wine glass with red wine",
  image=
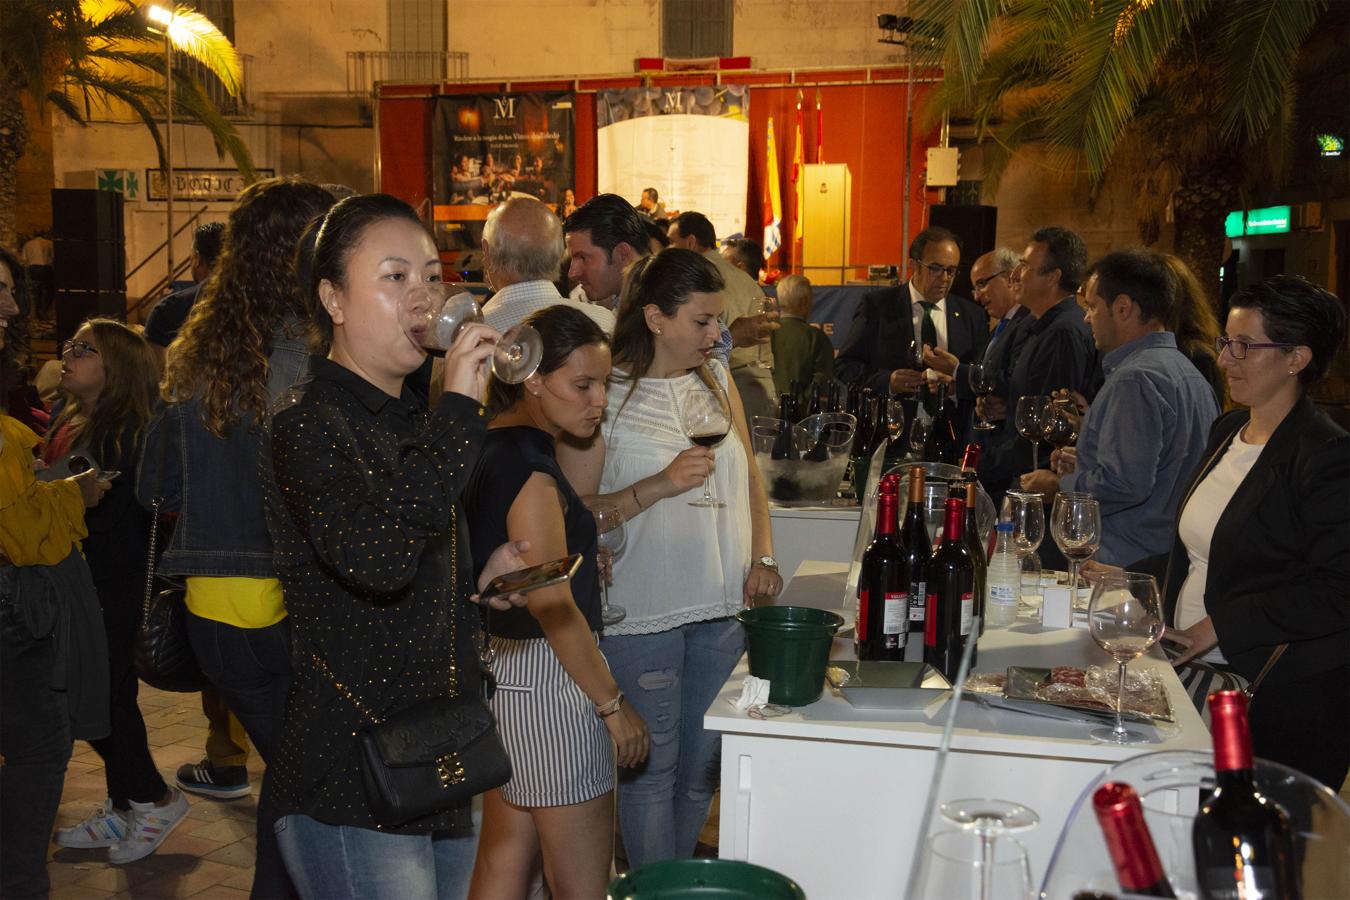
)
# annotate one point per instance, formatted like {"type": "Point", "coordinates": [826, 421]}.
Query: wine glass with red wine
{"type": "Point", "coordinates": [1029, 420]}
{"type": "Point", "coordinates": [1061, 424]}
{"type": "Point", "coordinates": [982, 383]}
{"type": "Point", "coordinates": [706, 419]}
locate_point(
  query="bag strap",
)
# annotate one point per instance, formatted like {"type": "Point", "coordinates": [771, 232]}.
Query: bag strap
{"type": "Point", "coordinates": [1250, 690]}
{"type": "Point", "coordinates": [155, 505]}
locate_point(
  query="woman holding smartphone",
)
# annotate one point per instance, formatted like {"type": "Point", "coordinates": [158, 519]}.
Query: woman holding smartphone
{"type": "Point", "coordinates": [560, 712]}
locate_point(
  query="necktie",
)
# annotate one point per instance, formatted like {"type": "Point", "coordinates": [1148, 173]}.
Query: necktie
{"type": "Point", "coordinates": [928, 337]}
{"type": "Point", "coordinates": [998, 329]}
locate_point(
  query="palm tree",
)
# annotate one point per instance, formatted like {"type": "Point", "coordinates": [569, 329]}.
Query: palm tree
{"type": "Point", "coordinates": [1195, 97]}
{"type": "Point", "coordinates": [99, 54]}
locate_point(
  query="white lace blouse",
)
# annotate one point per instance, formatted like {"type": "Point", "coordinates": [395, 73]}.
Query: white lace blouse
{"type": "Point", "coordinates": [680, 563]}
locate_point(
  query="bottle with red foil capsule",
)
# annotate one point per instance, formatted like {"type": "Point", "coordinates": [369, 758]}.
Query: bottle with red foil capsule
{"type": "Point", "coordinates": [881, 626]}
{"type": "Point", "coordinates": [951, 586]}
{"type": "Point", "coordinates": [970, 460]}
{"type": "Point", "coordinates": [1133, 855]}
{"type": "Point", "coordinates": [978, 556]}
{"type": "Point", "coordinates": [1244, 847]}
{"type": "Point", "coordinates": [918, 549]}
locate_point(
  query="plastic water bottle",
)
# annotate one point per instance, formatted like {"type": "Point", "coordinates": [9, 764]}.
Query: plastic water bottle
{"type": "Point", "coordinates": [1004, 576]}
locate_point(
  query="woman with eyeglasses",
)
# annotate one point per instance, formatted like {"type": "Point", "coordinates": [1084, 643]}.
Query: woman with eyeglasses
{"type": "Point", "coordinates": [1258, 579]}
{"type": "Point", "coordinates": [109, 381]}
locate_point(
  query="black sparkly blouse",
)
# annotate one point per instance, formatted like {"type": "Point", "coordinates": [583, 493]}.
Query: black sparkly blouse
{"type": "Point", "coordinates": [361, 490]}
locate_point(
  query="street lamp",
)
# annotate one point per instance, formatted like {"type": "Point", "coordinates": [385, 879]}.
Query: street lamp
{"type": "Point", "coordinates": [164, 18]}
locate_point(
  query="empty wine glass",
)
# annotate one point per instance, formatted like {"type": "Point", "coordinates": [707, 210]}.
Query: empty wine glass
{"type": "Point", "coordinates": [706, 420]}
{"type": "Point", "coordinates": [610, 539]}
{"type": "Point", "coordinates": [963, 865]}
{"type": "Point", "coordinates": [982, 383]}
{"type": "Point", "coordinates": [1060, 425]}
{"type": "Point", "coordinates": [1076, 525]}
{"type": "Point", "coordinates": [433, 317]}
{"type": "Point", "coordinates": [895, 418]}
{"type": "Point", "coordinates": [767, 305]}
{"type": "Point", "coordinates": [1028, 420]}
{"type": "Point", "coordinates": [1026, 511]}
{"type": "Point", "coordinates": [918, 434]}
{"type": "Point", "coordinates": [1124, 619]}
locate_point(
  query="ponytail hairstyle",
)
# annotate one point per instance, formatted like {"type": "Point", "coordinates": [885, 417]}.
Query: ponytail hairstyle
{"type": "Point", "coordinates": [221, 355]}
{"type": "Point", "coordinates": [564, 330]}
{"type": "Point", "coordinates": [127, 401]}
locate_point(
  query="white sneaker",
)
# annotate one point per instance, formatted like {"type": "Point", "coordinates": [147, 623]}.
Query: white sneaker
{"type": "Point", "coordinates": [149, 826]}
{"type": "Point", "coordinates": [104, 828]}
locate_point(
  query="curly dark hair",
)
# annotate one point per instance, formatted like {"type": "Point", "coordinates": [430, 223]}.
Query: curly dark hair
{"type": "Point", "coordinates": [14, 354]}
{"type": "Point", "coordinates": [220, 356]}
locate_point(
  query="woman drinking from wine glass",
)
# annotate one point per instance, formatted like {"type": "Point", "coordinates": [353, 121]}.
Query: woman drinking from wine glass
{"type": "Point", "coordinates": [684, 573]}
{"type": "Point", "coordinates": [562, 716]}
{"type": "Point", "coordinates": [362, 486]}
{"type": "Point", "coordinates": [1258, 578]}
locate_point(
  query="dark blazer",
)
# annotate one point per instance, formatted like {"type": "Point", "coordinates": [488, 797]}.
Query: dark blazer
{"type": "Point", "coordinates": [1001, 355]}
{"type": "Point", "coordinates": [1279, 560]}
{"type": "Point", "coordinates": [883, 330]}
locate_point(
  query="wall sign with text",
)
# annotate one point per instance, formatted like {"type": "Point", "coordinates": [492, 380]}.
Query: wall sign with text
{"type": "Point", "coordinates": [200, 184]}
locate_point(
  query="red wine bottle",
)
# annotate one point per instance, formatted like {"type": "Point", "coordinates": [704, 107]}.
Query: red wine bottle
{"type": "Point", "coordinates": [918, 549]}
{"type": "Point", "coordinates": [951, 586]}
{"type": "Point", "coordinates": [1133, 855]}
{"type": "Point", "coordinates": [977, 554]}
{"type": "Point", "coordinates": [1244, 847]}
{"type": "Point", "coordinates": [881, 625]}
{"type": "Point", "coordinates": [942, 444]}
{"type": "Point", "coordinates": [970, 460]}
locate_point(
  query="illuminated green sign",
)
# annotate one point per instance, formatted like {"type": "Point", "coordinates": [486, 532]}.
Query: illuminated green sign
{"type": "Point", "coordinates": [1330, 144]}
{"type": "Point", "coordinates": [1271, 220]}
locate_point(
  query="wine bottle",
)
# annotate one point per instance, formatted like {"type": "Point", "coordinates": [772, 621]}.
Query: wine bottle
{"type": "Point", "coordinates": [782, 442]}
{"type": "Point", "coordinates": [918, 549]}
{"type": "Point", "coordinates": [1244, 847]}
{"type": "Point", "coordinates": [1133, 854]}
{"type": "Point", "coordinates": [951, 586]}
{"type": "Point", "coordinates": [881, 628]}
{"type": "Point", "coordinates": [977, 553]}
{"type": "Point", "coordinates": [942, 444]}
{"type": "Point", "coordinates": [878, 417]}
{"type": "Point", "coordinates": [970, 460]}
{"type": "Point", "coordinates": [863, 433]}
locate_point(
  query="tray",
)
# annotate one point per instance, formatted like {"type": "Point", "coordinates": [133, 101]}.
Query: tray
{"type": "Point", "coordinates": [1020, 694]}
{"type": "Point", "coordinates": [886, 685]}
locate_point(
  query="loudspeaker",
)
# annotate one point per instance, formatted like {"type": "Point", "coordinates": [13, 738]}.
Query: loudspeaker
{"type": "Point", "coordinates": [73, 307]}
{"type": "Point", "coordinates": [79, 214]}
{"type": "Point", "coordinates": [977, 227]}
{"type": "Point", "coordinates": [90, 265]}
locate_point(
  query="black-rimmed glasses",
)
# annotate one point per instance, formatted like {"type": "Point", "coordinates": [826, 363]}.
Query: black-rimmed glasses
{"type": "Point", "coordinates": [936, 270]}
{"type": "Point", "coordinates": [77, 349]}
{"type": "Point", "coordinates": [1238, 349]}
{"type": "Point", "coordinates": [982, 283]}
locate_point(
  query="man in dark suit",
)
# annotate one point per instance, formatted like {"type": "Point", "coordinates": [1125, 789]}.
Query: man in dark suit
{"type": "Point", "coordinates": [1057, 350]}
{"type": "Point", "coordinates": [890, 322]}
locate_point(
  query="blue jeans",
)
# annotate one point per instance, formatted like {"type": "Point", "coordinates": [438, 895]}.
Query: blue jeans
{"type": "Point", "coordinates": [671, 679]}
{"type": "Point", "coordinates": [344, 862]}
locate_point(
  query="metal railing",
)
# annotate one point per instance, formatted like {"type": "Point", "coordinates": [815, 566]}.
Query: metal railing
{"type": "Point", "coordinates": [367, 68]}
{"type": "Point", "coordinates": [150, 297]}
{"type": "Point", "coordinates": [231, 107]}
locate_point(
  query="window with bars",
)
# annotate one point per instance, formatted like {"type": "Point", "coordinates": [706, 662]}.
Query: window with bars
{"type": "Point", "coordinates": [696, 28]}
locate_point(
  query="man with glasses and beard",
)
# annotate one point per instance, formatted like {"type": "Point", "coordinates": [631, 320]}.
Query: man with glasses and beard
{"type": "Point", "coordinates": [890, 322]}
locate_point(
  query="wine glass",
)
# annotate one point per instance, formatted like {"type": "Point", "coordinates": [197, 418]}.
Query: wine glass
{"type": "Point", "coordinates": [1028, 420]}
{"type": "Point", "coordinates": [767, 305]}
{"type": "Point", "coordinates": [610, 539]}
{"type": "Point", "coordinates": [982, 383]}
{"type": "Point", "coordinates": [895, 418]}
{"type": "Point", "coordinates": [433, 318]}
{"type": "Point", "coordinates": [1060, 425]}
{"type": "Point", "coordinates": [1026, 511]}
{"type": "Point", "coordinates": [1076, 525]}
{"type": "Point", "coordinates": [964, 864]}
{"type": "Point", "coordinates": [706, 420]}
{"type": "Point", "coordinates": [1125, 620]}
{"type": "Point", "coordinates": [918, 434]}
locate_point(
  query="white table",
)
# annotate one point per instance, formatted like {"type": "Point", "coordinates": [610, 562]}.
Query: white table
{"type": "Point", "coordinates": [812, 532]}
{"type": "Point", "coordinates": [833, 797]}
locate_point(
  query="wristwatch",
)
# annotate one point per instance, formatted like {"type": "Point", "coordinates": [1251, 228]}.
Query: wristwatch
{"type": "Point", "coordinates": [767, 562]}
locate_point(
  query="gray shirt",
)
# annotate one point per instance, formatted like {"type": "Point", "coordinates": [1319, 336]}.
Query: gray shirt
{"type": "Point", "coordinates": [1142, 437]}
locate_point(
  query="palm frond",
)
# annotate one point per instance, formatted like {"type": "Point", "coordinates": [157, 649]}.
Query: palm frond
{"type": "Point", "coordinates": [192, 99]}
{"type": "Point", "coordinates": [966, 26]}
{"type": "Point", "coordinates": [62, 102]}
{"type": "Point", "coordinates": [196, 36]}
{"type": "Point", "coordinates": [1262, 40]}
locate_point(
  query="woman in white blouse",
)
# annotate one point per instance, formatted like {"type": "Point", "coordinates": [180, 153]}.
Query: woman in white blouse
{"type": "Point", "coordinates": [686, 570]}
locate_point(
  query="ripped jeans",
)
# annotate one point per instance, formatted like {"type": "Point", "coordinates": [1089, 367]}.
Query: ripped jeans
{"type": "Point", "coordinates": [671, 679]}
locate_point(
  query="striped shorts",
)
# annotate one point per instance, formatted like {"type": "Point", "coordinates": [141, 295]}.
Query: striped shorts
{"type": "Point", "coordinates": [561, 752]}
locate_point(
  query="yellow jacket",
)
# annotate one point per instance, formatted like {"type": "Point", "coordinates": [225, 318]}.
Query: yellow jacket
{"type": "Point", "coordinates": [39, 520]}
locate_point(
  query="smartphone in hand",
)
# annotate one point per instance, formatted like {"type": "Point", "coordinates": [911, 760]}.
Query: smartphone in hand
{"type": "Point", "coordinates": [522, 581]}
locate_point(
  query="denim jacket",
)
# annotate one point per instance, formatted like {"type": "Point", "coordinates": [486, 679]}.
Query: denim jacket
{"type": "Point", "coordinates": [213, 483]}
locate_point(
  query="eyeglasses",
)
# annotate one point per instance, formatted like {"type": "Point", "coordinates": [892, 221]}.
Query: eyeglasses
{"type": "Point", "coordinates": [77, 349]}
{"type": "Point", "coordinates": [982, 283]}
{"type": "Point", "coordinates": [1239, 349]}
{"type": "Point", "coordinates": [936, 270]}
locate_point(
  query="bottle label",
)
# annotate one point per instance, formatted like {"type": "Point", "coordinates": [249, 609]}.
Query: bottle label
{"type": "Point", "coordinates": [860, 617]}
{"type": "Point", "coordinates": [895, 621]}
{"type": "Point", "coordinates": [918, 598]}
{"type": "Point", "coordinates": [1247, 882]}
{"type": "Point", "coordinates": [1002, 594]}
{"type": "Point", "coordinates": [930, 621]}
{"type": "Point", "coordinates": [967, 612]}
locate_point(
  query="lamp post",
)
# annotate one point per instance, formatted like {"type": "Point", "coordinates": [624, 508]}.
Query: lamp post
{"type": "Point", "coordinates": [164, 18]}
